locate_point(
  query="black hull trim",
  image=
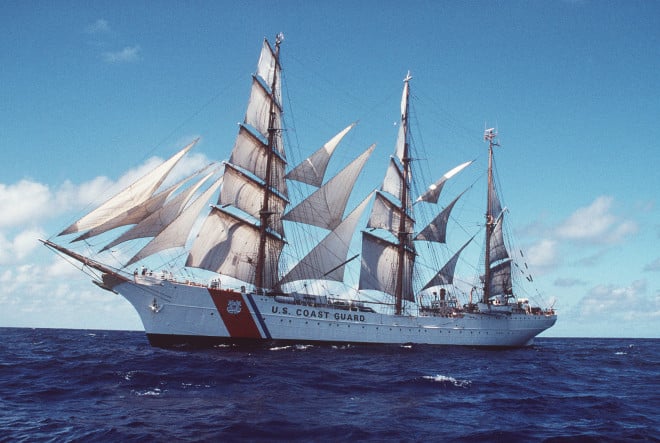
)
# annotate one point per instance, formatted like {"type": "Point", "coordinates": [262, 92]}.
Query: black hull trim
{"type": "Point", "coordinates": [169, 341]}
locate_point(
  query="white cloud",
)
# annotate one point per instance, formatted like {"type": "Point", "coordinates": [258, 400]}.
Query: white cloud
{"type": "Point", "coordinates": [14, 251]}
{"type": "Point", "coordinates": [596, 224]}
{"type": "Point", "coordinates": [29, 203]}
{"type": "Point", "coordinates": [100, 26]}
{"type": "Point", "coordinates": [619, 303]}
{"type": "Point", "coordinates": [41, 289]}
{"type": "Point", "coordinates": [543, 254]}
{"type": "Point", "coordinates": [126, 55]}
{"type": "Point", "coordinates": [21, 203]}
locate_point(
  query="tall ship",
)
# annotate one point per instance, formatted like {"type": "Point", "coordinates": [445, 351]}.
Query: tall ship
{"type": "Point", "coordinates": [252, 261]}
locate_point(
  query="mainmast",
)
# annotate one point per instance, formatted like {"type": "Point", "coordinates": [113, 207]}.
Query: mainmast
{"type": "Point", "coordinates": [403, 234]}
{"type": "Point", "coordinates": [266, 212]}
{"type": "Point", "coordinates": [489, 135]}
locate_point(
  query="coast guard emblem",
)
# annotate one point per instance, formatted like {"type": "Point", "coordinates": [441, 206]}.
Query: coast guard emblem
{"type": "Point", "coordinates": [234, 307]}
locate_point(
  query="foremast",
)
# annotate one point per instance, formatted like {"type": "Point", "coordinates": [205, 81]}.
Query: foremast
{"type": "Point", "coordinates": [265, 213]}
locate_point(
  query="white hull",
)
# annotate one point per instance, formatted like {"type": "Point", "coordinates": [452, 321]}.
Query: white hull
{"type": "Point", "coordinates": [174, 313]}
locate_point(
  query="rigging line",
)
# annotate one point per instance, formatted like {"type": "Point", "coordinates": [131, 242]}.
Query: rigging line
{"type": "Point", "coordinates": [195, 113]}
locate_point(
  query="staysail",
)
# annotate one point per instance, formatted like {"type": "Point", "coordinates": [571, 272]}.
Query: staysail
{"type": "Point", "coordinates": [326, 261]}
{"type": "Point", "coordinates": [135, 214]}
{"type": "Point", "coordinates": [156, 222]}
{"type": "Point", "coordinates": [446, 275]}
{"type": "Point", "coordinates": [312, 170]}
{"type": "Point", "coordinates": [433, 192]}
{"type": "Point", "coordinates": [325, 206]}
{"type": "Point", "coordinates": [132, 196]}
{"type": "Point", "coordinates": [177, 232]}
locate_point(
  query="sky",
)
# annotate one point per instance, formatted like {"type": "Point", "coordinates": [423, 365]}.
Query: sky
{"type": "Point", "coordinates": [92, 94]}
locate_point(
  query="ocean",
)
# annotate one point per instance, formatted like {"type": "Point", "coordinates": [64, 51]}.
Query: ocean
{"type": "Point", "coordinates": [78, 385]}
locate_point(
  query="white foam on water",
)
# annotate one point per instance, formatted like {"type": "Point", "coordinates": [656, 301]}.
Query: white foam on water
{"type": "Point", "coordinates": [445, 379]}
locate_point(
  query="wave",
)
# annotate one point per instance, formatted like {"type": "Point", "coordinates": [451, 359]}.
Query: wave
{"type": "Point", "coordinates": [443, 379]}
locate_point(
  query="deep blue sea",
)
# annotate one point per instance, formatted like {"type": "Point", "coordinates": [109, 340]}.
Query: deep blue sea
{"type": "Point", "coordinates": [75, 385]}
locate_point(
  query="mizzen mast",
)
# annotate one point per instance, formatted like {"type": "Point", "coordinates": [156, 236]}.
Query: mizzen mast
{"type": "Point", "coordinates": [489, 136]}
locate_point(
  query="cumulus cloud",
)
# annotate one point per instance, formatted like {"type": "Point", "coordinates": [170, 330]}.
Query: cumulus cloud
{"type": "Point", "coordinates": [22, 202]}
{"type": "Point", "coordinates": [126, 55]}
{"type": "Point", "coordinates": [543, 254]}
{"type": "Point", "coordinates": [626, 303]}
{"type": "Point", "coordinates": [29, 203]}
{"type": "Point", "coordinates": [18, 248]}
{"type": "Point", "coordinates": [596, 224]}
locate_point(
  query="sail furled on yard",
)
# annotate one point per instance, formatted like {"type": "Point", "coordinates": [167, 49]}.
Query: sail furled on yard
{"type": "Point", "coordinates": [134, 195]}
{"type": "Point", "coordinates": [176, 233]}
{"type": "Point", "coordinates": [312, 170]}
{"type": "Point", "coordinates": [325, 207]}
{"type": "Point", "coordinates": [326, 261]}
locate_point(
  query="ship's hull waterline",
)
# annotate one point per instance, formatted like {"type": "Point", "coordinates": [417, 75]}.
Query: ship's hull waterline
{"type": "Point", "coordinates": [181, 313]}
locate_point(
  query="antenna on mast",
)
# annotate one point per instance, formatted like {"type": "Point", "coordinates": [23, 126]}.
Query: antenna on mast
{"type": "Point", "coordinates": [489, 135]}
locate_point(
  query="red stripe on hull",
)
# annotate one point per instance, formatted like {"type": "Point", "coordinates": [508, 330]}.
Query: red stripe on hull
{"type": "Point", "coordinates": [235, 313]}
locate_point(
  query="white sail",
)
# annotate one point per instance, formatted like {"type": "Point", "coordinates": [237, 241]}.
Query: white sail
{"type": "Point", "coordinates": [401, 137]}
{"type": "Point", "coordinates": [386, 215]}
{"type": "Point", "coordinates": [379, 266]}
{"type": "Point", "coordinates": [325, 206]}
{"type": "Point", "coordinates": [251, 154]}
{"type": "Point", "coordinates": [268, 68]}
{"type": "Point", "coordinates": [177, 232]}
{"type": "Point", "coordinates": [446, 275]}
{"type": "Point", "coordinates": [135, 214]}
{"type": "Point", "coordinates": [436, 231]}
{"type": "Point", "coordinates": [433, 192]}
{"type": "Point", "coordinates": [393, 181]}
{"type": "Point", "coordinates": [130, 197]}
{"type": "Point", "coordinates": [312, 170]}
{"type": "Point", "coordinates": [228, 245]}
{"type": "Point", "coordinates": [326, 261]}
{"type": "Point", "coordinates": [259, 109]}
{"type": "Point", "coordinates": [497, 247]}
{"type": "Point", "coordinates": [244, 193]}
{"type": "Point", "coordinates": [156, 222]}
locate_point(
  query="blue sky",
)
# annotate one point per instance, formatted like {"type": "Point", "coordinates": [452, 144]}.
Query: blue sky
{"type": "Point", "coordinates": [91, 90]}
